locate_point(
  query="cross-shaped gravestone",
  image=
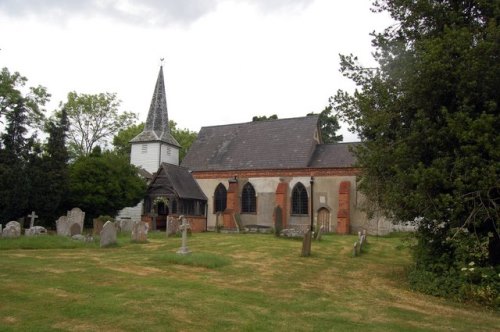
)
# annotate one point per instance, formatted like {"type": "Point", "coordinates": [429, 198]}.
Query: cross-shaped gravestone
{"type": "Point", "coordinates": [32, 217]}
{"type": "Point", "coordinates": [184, 227]}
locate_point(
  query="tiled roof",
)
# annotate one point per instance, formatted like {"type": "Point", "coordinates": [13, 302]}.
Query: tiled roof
{"type": "Point", "coordinates": [333, 155]}
{"type": "Point", "coordinates": [177, 179]}
{"type": "Point", "coordinates": [272, 144]}
{"type": "Point", "coordinates": [156, 126]}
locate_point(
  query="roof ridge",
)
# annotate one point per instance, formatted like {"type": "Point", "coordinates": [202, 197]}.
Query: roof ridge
{"type": "Point", "coordinates": [262, 121]}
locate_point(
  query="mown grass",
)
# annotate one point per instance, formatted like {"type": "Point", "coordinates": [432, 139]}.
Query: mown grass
{"type": "Point", "coordinates": [236, 282]}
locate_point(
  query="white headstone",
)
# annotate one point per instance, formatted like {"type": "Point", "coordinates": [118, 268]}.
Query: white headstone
{"type": "Point", "coordinates": [12, 229]}
{"type": "Point", "coordinates": [62, 226]}
{"type": "Point", "coordinates": [32, 217]}
{"type": "Point", "coordinates": [108, 234]}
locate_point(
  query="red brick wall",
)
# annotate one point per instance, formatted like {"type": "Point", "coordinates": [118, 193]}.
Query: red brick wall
{"type": "Point", "coordinates": [282, 201]}
{"type": "Point", "coordinates": [198, 223]}
{"type": "Point", "coordinates": [343, 214]}
{"type": "Point", "coordinates": [345, 171]}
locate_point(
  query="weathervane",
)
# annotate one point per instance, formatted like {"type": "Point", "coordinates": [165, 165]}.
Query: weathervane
{"type": "Point", "coordinates": [162, 59]}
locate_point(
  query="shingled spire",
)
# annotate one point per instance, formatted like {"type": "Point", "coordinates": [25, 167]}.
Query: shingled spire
{"type": "Point", "coordinates": [156, 126]}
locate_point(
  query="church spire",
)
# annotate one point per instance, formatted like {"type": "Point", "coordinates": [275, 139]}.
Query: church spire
{"type": "Point", "coordinates": [156, 127]}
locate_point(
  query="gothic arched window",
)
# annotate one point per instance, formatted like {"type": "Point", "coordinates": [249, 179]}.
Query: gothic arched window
{"type": "Point", "coordinates": [248, 199]}
{"type": "Point", "coordinates": [300, 201]}
{"type": "Point", "coordinates": [220, 198]}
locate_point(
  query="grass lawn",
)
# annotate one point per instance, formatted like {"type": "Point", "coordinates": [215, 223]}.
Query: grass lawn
{"type": "Point", "coordinates": [236, 282]}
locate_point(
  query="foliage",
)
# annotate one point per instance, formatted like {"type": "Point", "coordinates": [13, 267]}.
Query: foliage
{"type": "Point", "coordinates": [429, 120]}
{"type": "Point", "coordinates": [184, 137]}
{"type": "Point", "coordinates": [329, 124]}
{"type": "Point", "coordinates": [264, 118]}
{"type": "Point", "coordinates": [18, 148]}
{"type": "Point", "coordinates": [121, 141]}
{"type": "Point", "coordinates": [104, 183]}
{"type": "Point", "coordinates": [93, 120]}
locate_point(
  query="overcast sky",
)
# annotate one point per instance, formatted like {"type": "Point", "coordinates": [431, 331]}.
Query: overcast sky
{"type": "Point", "coordinates": [225, 60]}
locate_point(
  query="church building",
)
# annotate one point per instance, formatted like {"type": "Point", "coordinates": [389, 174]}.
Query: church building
{"type": "Point", "coordinates": [241, 174]}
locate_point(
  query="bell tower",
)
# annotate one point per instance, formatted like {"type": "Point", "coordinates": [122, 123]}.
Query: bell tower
{"type": "Point", "coordinates": [155, 145]}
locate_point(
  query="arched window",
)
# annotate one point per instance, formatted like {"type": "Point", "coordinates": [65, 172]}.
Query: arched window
{"type": "Point", "coordinates": [248, 199]}
{"type": "Point", "coordinates": [220, 198]}
{"type": "Point", "coordinates": [300, 201]}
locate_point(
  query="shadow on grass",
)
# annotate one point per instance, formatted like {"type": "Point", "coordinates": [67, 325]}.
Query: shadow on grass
{"type": "Point", "coordinates": [200, 259]}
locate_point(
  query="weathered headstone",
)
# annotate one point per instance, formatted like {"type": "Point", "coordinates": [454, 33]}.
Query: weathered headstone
{"type": "Point", "coordinates": [108, 234]}
{"type": "Point", "coordinates": [184, 228]}
{"type": "Point", "coordinates": [62, 226]}
{"type": "Point", "coordinates": [0, 230]}
{"type": "Point", "coordinates": [32, 217]}
{"type": "Point", "coordinates": [140, 231]}
{"type": "Point", "coordinates": [321, 230]}
{"type": "Point", "coordinates": [306, 244]}
{"type": "Point", "coordinates": [76, 215]}
{"type": "Point", "coordinates": [172, 226]}
{"type": "Point", "coordinates": [126, 225]}
{"type": "Point", "coordinates": [75, 229]}
{"type": "Point", "coordinates": [97, 226]}
{"type": "Point", "coordinates": [278, 220]}
{"type": "Point", "coordinates": [355, 249]}
{"type": "Point", "coordinates": [12, 229]}
{"type": "Point", "coordinates": [35, 231]}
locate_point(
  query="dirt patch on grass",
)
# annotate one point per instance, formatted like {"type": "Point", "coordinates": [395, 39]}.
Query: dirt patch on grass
{"type": "Point", "coordinates": [135, 270]}
{"type": "Point", "coordinates": [77, 326]}
{"type": "Point", "coordinates": [9, 320]}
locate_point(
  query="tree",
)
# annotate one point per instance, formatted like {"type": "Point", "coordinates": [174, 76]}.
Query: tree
{"type": "Point", "coordinates": [19, 110]}
{"type": "Point", "coordinates": [329, 124]}
{"type": "Point", "coordinates": [121, 141]}
{"type": "Point", "coordinates": [93, 120]}
{"type": "Point", "coordinates": [429, 120]}
{"type": "Point", "coordinates": [49, 172]}
{"type": "Point", "coordinates": [264, 118]}
{"type": "Point", "coordinates": [104, 183]}
{"type": "Point", "coordinates": [184, 137]}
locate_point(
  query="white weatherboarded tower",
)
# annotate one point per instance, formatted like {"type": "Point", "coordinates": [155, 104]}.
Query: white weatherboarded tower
{"type": "Point", "coordinates": [155, 145]}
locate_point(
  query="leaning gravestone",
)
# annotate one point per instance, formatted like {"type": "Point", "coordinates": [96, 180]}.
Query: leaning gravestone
{"type": "Point", "coordinates": [62, 226]}
{"type": "Point", "coordinates": [108, 234]}
{"type": "Point", "coordinates": [140, 232]}
{"type": "Point", "coordinates": [75, 229]}
{"type": "Point", "coordinates": [12, 229]}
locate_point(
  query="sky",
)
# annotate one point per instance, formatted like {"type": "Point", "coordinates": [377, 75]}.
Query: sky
{"type": "Point", "coordinates": [224, 60]}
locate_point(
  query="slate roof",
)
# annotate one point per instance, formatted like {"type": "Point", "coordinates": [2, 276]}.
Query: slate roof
{"type": "Point", "coordinates": [333, 155]}
{"type": "Point", "coordinates": [272, 144]}
{"type": "Point", "coordinates": [177, 179]}
{"type": "Point", "coordinates": [156, 126]}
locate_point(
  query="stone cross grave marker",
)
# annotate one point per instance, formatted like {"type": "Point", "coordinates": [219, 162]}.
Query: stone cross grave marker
{"type": "Point", "coordinates": [32, 217]}
{"type": "Point", "coordinates": [184, 228]}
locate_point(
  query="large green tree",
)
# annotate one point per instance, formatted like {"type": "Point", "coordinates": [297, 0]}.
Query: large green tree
{"type": "Point", "coordinates": [329, 124]}
{"type": "Point", "coordinates": [94, 119]}
{"type": "Point", "coordinates": [429, 120]}
{"type": "Point", "coordinates": [21, 110]}
{"type": "Point", "coordinates": [104, 183]}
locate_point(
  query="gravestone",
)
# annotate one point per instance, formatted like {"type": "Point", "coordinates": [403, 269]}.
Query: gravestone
{"type": "Point", "coordinates": [35, 231]}
{"type": "Point", "coordinates": [320, 232]}
{"type": "Point", "coordinates": [0, 230]}
{"type": "Point", "coordinates": [126, 225]}
{"type": "Point", "coordinates": [184, 250]}
{"type": "Point", "coordinates": [76, 216]}
{"type": "Point", "coordinates": [140, 231]}
{"type": "Point", "coordinates": [306, 244]}
{"type": "Point", "coordinates": [355, 249]}
{"type": "Point", "coordinates": [97, 226]}
{"type": "Point", "coordinates": [32, 217]}
{"type": "Point", "coordinates": [62, 226]}
{"type": "Point", "coordinates": [278, 220]}
{"type": "Point", "coordinates": [12, 229]}
{"type": "Point", "coordinates": [172, 226]}
{"type": "Point", "coordinates": [78, 237]}
{"type": "Point", "coordinates": [108, 234]}
{"type": "Point", "coordinates": [75, 229]}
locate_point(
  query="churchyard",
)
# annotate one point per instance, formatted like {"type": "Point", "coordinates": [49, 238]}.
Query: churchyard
{"type": "Point", "coordinates": [237, 282]}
